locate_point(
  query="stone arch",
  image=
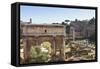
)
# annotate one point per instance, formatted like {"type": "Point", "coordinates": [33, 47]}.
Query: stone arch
{"type": "Point", "coordinates": [47, 45]}
{"type": "Point", "coordinates": [56, 45]}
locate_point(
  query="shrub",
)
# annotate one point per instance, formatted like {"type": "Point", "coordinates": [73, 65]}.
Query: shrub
{"type": "Point", "coordinates": [40, 53]}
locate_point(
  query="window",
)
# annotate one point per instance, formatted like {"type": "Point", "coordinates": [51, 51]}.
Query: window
{"type": "Point", "coordinates": [45, 31]}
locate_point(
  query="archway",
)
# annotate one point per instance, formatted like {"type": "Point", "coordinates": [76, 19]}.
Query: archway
{"type": "Point", "coordinates": [46, 48]}
{"type": "Point", "coordinates": [47, 45]}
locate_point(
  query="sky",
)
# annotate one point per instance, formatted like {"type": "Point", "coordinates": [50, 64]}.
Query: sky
{"type": "Point", "coordinates": [48, 15]}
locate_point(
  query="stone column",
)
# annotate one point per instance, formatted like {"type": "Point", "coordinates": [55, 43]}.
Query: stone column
{"type": "Point", "coordinates": [53, 54]}
{"type": "Point", "coordinates": [73, 34]}
{"type": "Point", "coordinates": [25, 48]}
{"type": "Point", "coordinates": [64, 48]}
{"type": "Point", "coordinates": [37, 41]}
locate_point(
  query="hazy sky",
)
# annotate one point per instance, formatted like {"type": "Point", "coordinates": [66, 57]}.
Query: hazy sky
{"type": "Point", "coordinates": [53, 14]}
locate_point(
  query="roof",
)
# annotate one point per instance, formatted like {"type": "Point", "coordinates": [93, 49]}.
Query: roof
{"type": "Point", "coordinates": [32, 24]}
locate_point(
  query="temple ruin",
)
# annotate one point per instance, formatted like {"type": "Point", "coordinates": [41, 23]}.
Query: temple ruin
{"type": "Point", "coordinates": [35, 34]}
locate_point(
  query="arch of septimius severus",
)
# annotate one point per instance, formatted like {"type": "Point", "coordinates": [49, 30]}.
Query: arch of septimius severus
{"type": "Point", "coordinates": [35, 34]}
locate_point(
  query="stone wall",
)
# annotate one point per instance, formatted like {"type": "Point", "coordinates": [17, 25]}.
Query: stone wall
{"type": "Point", "coordinates": [42, 29]}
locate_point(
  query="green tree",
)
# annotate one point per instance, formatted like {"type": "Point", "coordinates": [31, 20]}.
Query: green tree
{"type": "Point", "coordinates": [40, 53]}
{"type": "Point", "coordinates": [92, 21]}
{"type": "Point", "coordinates": [92, 38]}
{"type": "Point", "coordinates": [67, 20]}
{"type": "Point", "coordinates": [68, 29]}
